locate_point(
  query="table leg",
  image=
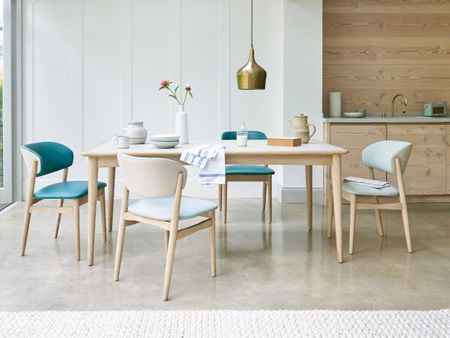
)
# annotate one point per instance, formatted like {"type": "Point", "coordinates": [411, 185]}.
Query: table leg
{"type": "Point", "coordinates": [336, 179]}
{"type": "Point", "coordinates": [111, 182]}
{"type": "Point", "coordinates": [92, 203]}
{"type": "Point", "coordinates": [309, 196]}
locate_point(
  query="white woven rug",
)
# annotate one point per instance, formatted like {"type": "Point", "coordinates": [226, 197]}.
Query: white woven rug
{"type": "Point", "coordinates": [226, 324]}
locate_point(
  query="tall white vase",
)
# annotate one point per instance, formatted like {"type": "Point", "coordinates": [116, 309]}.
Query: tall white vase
{"type": "Point", "coordinates": [181, 125]}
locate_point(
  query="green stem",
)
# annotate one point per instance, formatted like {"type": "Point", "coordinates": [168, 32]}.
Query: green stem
{"type": "Point", "coordinates": [185, 96]}
{"type": "Point", "coordinates": [175, 95]}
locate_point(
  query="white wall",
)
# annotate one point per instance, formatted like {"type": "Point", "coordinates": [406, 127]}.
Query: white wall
{"type": "Point", "coordinates": [302, 83]}
{"type": "Point", "coordinates": [91, 66]}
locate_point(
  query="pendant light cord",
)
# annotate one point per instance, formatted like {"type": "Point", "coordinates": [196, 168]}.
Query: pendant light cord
{"type": "Point", "coordinates": [251, 31]}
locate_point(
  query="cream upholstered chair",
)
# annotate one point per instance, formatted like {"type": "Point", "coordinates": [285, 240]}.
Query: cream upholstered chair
{"type": "Point", "coordinates": [390, 157]}
{"type": "Point", "coordinates": [44, 158]}
{"type": "Point", "coordinates": [160, 183]}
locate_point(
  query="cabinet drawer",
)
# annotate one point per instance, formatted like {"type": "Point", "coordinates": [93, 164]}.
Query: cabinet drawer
{"type": "Point", "coordinates": [352, 165]}
{"type": "Point", "coordinates": [361, 135]}
{"type": "Point", "coordinates": [448, 145]}
{"type": "Point", "coordinates": [424, 179]}
{"type": "Point", "coordinates": [419, 135]}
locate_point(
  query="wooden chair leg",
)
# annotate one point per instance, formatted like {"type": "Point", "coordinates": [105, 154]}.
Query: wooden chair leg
{"type": "Point", "coordinates": [225, 202]}
{"type": "Point", "coordinates": [212, 239]}
{"type": "Point", "coordinates": [379, 219]}
{"type": "Point", "coordinates": [169, 263]}
{"type": "Point", "coordinates": [111, 184]}
{"type": "Point", "coordinates": [26, 227]}
{"type": "Point", "coordinates": [58, 218]}
{"type": "Point", "coordinates": [269, 188]}
{"type": "Point", "coordinates": [402, 195]}
{"type": "Point", "coordinates": [103, 211]}
{"type": "Point", "coordinates": [329, 212]}
{"type": "Point", "coordinates": [166, 240]}
{"type": "Point", "coordinates": [119, 249]}
{"type": "Point", "coordinates": [352, 223]}
{"type": "Point", "coordinates": [407, 228]}
{"type": "Point", "coordinates": [220, 192]}
{"type": "Point", "coordinates": [76, 212]}
{"type": "Point", "coordinates": [264, 196]}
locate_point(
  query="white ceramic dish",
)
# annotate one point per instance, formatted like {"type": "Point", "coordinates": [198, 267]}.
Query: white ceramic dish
{"type": "Point", "coordinates": [138, 140]}
{"type": "Point", "coordinates": [354, 114]}
{"type": "Point", "coordinates": [165, 138]}
{"type": "Point", "coordinates": [165, 144]}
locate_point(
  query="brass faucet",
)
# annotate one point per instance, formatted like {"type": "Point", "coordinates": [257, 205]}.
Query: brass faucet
{"type": "Point", "coordinates": [404, 104]}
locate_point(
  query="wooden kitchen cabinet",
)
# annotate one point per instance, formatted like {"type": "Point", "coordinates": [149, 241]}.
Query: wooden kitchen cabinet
{"type": "Point", "coordinates": [355, 139]}
{"type": "Point", "coordinates": [426, 172]}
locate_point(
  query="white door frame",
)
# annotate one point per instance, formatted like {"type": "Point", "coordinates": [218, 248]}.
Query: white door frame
{"type": "Point", "coordinates": [6, 193]}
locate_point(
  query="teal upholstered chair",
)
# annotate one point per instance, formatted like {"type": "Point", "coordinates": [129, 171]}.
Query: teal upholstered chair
{"type": "Point", "coordinates": [44, 158]}
{"type": "Point", "coordinates": [247, 173]}
{"type": "Point", "coordinates": [160, 183]}
{"type": "Point", "coordinates": [390, 157]}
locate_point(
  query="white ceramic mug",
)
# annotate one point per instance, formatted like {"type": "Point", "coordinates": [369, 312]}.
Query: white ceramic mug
{"type": "Point", "coordinates": [122, 142]}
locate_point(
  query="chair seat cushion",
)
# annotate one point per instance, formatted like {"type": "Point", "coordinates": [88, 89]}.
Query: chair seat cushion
{"type": "Point", "coordinates": [65, 190]}
{"type": "Point", "coordinates": [365, 190]}
{"type": "Point", "coordinates": [248, 170]}
{"type": "Point", "coordinates": [161, 208]}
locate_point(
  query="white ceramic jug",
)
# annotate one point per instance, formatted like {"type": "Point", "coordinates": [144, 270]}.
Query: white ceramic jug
{"type": "Point", "coordinates": [301, 128]}
{"type": "Point", "coordinates": [136, 132]}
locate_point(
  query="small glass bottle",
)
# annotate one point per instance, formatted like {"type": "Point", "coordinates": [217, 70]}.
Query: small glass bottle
{"type": "Point", "coordinates": [242, 136]}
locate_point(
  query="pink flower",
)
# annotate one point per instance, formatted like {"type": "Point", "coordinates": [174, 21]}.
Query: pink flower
{"type": "Point", "coordinates": [164, 84]}
{"type": "Point", "coordinates": [188, 87]}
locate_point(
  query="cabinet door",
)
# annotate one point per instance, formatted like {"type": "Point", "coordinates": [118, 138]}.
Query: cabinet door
{"type": "Point", "coordinates": [355, 137]}
{"type": "Point", "coordinates": [426, 170]}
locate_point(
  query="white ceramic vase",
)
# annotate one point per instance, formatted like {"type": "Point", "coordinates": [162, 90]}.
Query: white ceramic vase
{"type": "Point", "coordinates": [181, 125]}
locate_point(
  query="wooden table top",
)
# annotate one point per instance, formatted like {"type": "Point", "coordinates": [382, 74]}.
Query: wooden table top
{"type": "Point", "coordinates": [254, 148]}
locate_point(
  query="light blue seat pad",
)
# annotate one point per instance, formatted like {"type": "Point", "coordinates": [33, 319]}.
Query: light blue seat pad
{"type": "Point", "coordinates": [65, 190]}
{"type": "Point", "coordinates": [365, 190]}
{"type": "Point", "coordinates": [161, 208]}
{"type": "Point", "coordinates": [248, 170]}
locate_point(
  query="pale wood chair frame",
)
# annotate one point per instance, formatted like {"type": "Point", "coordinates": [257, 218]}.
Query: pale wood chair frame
{"type": "Point", "coordinates": [59, 210]}
{"type": "Point", "coordinates": [266, 192]}
{"type": "Point", "coordinates": [377, 207]}
{"type": "Point", "coordinates": [171, 234]}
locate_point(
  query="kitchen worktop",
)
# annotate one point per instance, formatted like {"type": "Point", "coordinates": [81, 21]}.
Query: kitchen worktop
{"type": "Point", "coordinates": [376, 118]}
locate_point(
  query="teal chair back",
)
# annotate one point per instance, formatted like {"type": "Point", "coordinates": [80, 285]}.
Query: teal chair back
{"type": "Point", "coordinates": [252, 135]}
{"type": "Point", "coordinates": [51, 156]}
{"type": "Point", "coordinates": [381, 155]}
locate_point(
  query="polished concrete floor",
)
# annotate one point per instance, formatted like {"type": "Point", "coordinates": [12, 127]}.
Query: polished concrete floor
{"type": "Point", "coordinates": [259, 266]}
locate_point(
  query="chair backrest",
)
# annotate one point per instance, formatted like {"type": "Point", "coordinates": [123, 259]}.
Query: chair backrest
{"type": "Point", "coordinates": [381, 155]}
{"type": "Point", "coordinates": [151, 177]}
{"type": "Point", "coordinates": [51, 156]}
{"type": "Point", "coordinates": [252, 135]}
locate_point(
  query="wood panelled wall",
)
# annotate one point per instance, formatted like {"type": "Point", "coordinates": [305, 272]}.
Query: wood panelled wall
{"type": "Point", "coordinates": [374, 49]}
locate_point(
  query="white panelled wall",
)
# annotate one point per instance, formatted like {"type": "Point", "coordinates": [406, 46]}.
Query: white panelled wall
{"type": "Point", "coordinates": [90, 66]}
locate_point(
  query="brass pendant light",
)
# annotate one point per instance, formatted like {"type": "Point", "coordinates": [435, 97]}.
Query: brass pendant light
{"type": "Point", "coordinates": [251, 76]}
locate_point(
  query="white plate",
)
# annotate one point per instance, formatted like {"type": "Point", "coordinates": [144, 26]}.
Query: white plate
{"type": "Point", "coordinates": [165, 144]}
{"type": "Point", "coordinates": [354, 114]}
{"type": "Point", "coordinates": [165, 137]}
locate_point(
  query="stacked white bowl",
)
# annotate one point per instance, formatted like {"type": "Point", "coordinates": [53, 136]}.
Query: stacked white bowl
{"type": "Point", "coordinates": [165, 141]}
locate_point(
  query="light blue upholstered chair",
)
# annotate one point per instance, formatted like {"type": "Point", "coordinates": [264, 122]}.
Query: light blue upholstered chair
{"type": "Point", "coordinates": [390, 157]}
{"type": "Point", "coordinates": [160, 182]}
{"type": "Point", "coordinates": [247, 173]}
{"type": "Point", "coordinates": [44, 158]}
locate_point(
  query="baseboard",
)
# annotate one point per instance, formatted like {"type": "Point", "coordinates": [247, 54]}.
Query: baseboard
{"type": "Point", "coordinates": [298, 195]}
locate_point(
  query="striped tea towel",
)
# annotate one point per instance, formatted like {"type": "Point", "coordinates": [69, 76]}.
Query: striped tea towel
{"type": "Point", "coordinates": [214, 172]}
{"type": "Point", "coordinates": [200, 155]}
{"type": "Point", "coordinates": [210, 158]}
{"type": "Point", "coordinates": [372, 183]}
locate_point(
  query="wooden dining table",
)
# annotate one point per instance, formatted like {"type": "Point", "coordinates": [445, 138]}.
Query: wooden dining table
{"type": "Point", "coordinates": [256, 152]}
